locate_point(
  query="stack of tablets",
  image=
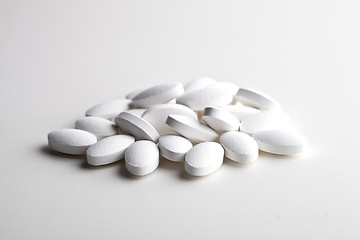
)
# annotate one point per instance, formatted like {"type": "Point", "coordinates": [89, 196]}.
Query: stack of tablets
{"type": "Point", "coordinates": [198, 124]}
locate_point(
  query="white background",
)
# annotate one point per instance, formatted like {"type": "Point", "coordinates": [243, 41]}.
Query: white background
{"type": "Point", "coordinates": [58, 58]}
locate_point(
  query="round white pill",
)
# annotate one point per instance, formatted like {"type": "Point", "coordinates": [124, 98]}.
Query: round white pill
{"type": "Point", "coordinates": [220, 120]}
{"type": "Point", "coordinates": [239, 147]}
{"type": "Point", "coordinates": [100, 127]}
{"type": "Point", "coordinates": [71, 141]}
{"type": "Point", "coordinates": [191, 128]}
{"type": "Point", "coordinates": [257, 99]}
{"type": "Point", "coordinates": [136, 126]}
{"type": "Point", "coordinates": [281, 142]}
{"type": "Point", "coordinates": [157, 95]}
{"type": "Point", "coordinates": [239, 111]}
{"type": "Point", "coordinates": [174, 147]}
{"type": "Point", "coordinates": [108, 150]}
{"type": "Point", "coordinates": [109, 109]}
{"type": "Point", "coordinates": [264, 121]}
{"type": "Point", "coordinates": [198, 83]}
{"type": "Point", "coordinates": [157, 115]}
{"type": "Point", "coordinates": [132, 94]}
{"type": "Point", "coordinates": [204, 158]}
{"type": "Point", "coordinates": [141, 158]}
{"type": "Point", "coordinates": [227, 86]}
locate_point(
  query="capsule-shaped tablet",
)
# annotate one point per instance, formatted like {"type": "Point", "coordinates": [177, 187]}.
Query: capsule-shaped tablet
{"type": "Point", "coordinates": [174, 147]}
{"type": "Point", "coordinates": [142, 158]}
{"type": "Point", "coordinates": [240, 111]}
{"type": "Point", "coordinates": [109, 109]}
{"type": "Point", "coordinates": [204, 158]}
{"type": "Point", "coordinates": [71, 141]}
{"type": "Point", "coordinates": [239, 147]}
{"type": "Point", "coordinates": [220, 120]}
{"type": "Point", "coordinates": [198, 83]}
{"type": "Point", "coordinates": [108, 150]}
{"type": "Point", "coordinates": [100, 127]}
{"type": "Point", "coordinates": [257, 99]}
{"type": "Point", "coordinates": [281, 142]}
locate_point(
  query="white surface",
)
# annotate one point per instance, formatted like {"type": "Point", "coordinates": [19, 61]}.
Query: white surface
{"type": "Point", "coordinates": [59, 58]}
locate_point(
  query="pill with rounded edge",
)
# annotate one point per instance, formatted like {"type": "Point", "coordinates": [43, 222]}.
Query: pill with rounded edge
{"type": "Point", "coordinates": [100, 127]}
{"type": "Point", "coordinates": [71, 141]}
{"type": "Point", "coordinates": [142, 158]}
{"type": "Point", "coordinates": [198, 83]}
{"type": "Point", "coordinates": [239, 147]}
{"type": "Point", "coordinates": [220, 120]}
{"type": "Point", "coordinates": [174, 147]}
{"type": "Point", "coordinates": [257, 99]}
{"type": "Point", "coordinates": [108, 150]}
{"type": "Point", "coordinates": [136, 126]}
{"type": "Point", "coordinates": [132, 94]}
{"type": "Point", "coordinates": [109, 109]}
{"type": "Point", "coordinates": [204, 158]}
{"type": "Point", "coordinates": [240, 111]}
{"type": "Point", "coordinates": [157, 95]}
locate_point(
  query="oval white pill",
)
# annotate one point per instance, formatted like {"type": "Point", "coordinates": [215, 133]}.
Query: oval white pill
{"type": "Point", "coordinates": [157, 115]}
{"type": "Point", "coordinates": [174, 147]}
{"type": "Point", "coordinates": [220, 120]}
{"type": "Point", "coordinates": [227, 86]}
{"type": "Point", "coordinates": [264, 121]}
{"type": "Point", "coordinates": [141, 158]}
{"type": "Point", "coordinates": [108, 150]}
{"type": "Point", "coordinates": [132, 94]}
{"type": "Point", "coordinates": [109, 109]}
{"type": "Point", "coordinates": [100, 127]}
{"type": "Point", "coordinates": [71, 141]}
{"type": "Point", "coordinates": [257, 99]}
{"type": "Point", "coordinates": [158, 94]}
{"type": "Point", "coordinates": [239, 147]}
{"type": "Point", "coordinates": [239, 111]}
{"type": "Point", "coordinates": [281, 142]}
{"type": "Point", "coordinates": [136, 126]}
{"type": "Point", "coordinates": [191, 128]}
{"type": "Point", "coordinates": [198, 83]}
{"type": "Point", "coordinates": [204, 158]}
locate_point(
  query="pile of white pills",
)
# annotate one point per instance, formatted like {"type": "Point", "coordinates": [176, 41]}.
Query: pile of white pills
{"type": "Point", "coordinates": [199, 124]}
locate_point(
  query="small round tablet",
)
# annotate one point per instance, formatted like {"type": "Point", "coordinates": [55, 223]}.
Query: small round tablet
{"type": "Point", "coordinates": [257, 99]}
{"type": "Point", "coordinates": [100, 127]}
{"type": "Point", "coordinates": [142, 158]}
{"type": "Point", "coordinates": [239, 147]}
{"type": "Point", "coordinates": [71, 141]}
{"type": "Point", "coordinates": [281, 142]}
{"type": "Point", "coordinates": [157, 95]}
{"type": "Point", "coordinates": [227, 86]}
{"type": "Point", "coordinates": [198, 83]}
{"type": "Point", "coordinates": [220, 120]}
{"type": "Point", "coordinates": [240, 111]}
{"type": "Point", "coordinates": [191, 128]}
{"type": "Point", "coordinates": [204, 158]}
{"type": "Point", "coordinates": [109, 109]}
{"type": "Point", "coordinates": [108, 150]}
{"type": "Point", "coordinates": [174, 147]}
{"type": "Point", "coordinates": [136, 126]}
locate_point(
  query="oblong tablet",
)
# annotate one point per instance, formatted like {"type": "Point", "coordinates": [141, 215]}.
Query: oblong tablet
{"type": "Point", "coordinates": [142, 158]}
{"type": "Point", "coordinates": [132, 94]}
{"type": "Point", "coordinates": [191, 128]}
{"type": "Point", "coordinates": [157, 115]}
{"type": "Point", "coordinates": [257, 99]}
{"type": "Point", "coordinates": [239, 147]}
{"type": "Point", "coordinates": [239, 111]}
{"type": "Point", "coordinates": [158, 94]}
{"type": "Point", "coordinates": [220, 120]}
{"type": "Point", "coordinates": [204, 158]}
{"type": "Point", "coordinates": [100, 127]}
{"type": "Point", "coordinates": [281, 142]}
{"type": "Point", "coordinates": [198, 83]}
{"type": "Point", "coordinates": [174, 147]}
{"type": "Point", "coordinates": [109, 109]}
{"type": "Point", "coordinates": [71, 141]}
{"type": "Point", "coordinates": [136, 126]}
{"type": "Point", "coordinates": [108, 150]}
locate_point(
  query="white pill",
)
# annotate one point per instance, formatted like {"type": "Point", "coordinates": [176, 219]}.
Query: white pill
{"type": "Point", "coordinates": [157, 115]}
{"type": "Point", "coordinates": [71, 141]}
{"type": "Point", "coordinates": [109, 109]}
{"type": "Point", "coordinates": [132, 94]}
{"type": "Point", "coordinates": [158, 94]}
{"type": "Point", "coordinates": [198, 83]}
{"type": "Point", "coordinates": [174, 147]}
{"type": "Point", "coordinates": [281, 142]}
{"type": "Point", "coordinates": [191, 128]}
{"type": "Point", "coordinates": [141, 158]}
{"type": "Point", "coordinates": [257, 99]}
{"type": "Point", "coordinates": [264, 121]}
{"type": "Point", "coordinates": [136, 126]}
{"type": "Point", "coordinates": [100, 127]}
{"type": "Point", "coordinates": [239, 147]}
{"type": "Point", "coordinates": [220, 120]}
{"type": "Point", "coordinates": [239, 111]}
{"type": "Point", "coordinates": [209, 96]}
{"type": "Point", "coordinates": [204, 158]}
{"type": "Point", "coordinates": [137, 111]}
{"type": "Point", "coordinates": [108, 150]}
{"type": "Point", "coordinates": [227, 86]}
